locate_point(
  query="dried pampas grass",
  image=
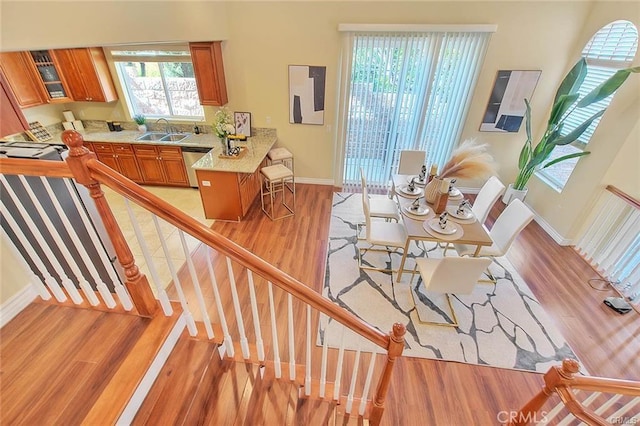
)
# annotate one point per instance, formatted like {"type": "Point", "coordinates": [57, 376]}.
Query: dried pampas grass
{"type": "Point", "coordinates": [469, 161]}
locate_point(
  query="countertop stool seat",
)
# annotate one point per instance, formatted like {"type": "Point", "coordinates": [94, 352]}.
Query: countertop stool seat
{"type": "Point", "coordinates": [280, 156]}
{"type": "Point", "coordinates": [277, 180]}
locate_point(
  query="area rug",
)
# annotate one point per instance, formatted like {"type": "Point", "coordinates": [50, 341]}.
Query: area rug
{"type": "Point", "coordinates": [500, 325]}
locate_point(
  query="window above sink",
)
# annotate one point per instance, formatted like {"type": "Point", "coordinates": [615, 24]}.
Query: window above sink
{"type": "Point", "coordinates": [158, 81]}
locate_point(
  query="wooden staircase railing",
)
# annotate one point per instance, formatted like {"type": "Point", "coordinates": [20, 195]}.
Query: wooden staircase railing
{"type": "Point", "coordinates": [240, 267]}
{"type": "Point", "coordinates": [605, 402]}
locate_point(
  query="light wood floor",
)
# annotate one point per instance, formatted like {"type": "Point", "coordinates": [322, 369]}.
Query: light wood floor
{"type": "Point", "coordinates": [423, 392]}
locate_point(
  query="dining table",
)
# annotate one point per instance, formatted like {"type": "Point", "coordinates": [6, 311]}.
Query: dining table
{"type": "Point", "coordinates": [420, 224]}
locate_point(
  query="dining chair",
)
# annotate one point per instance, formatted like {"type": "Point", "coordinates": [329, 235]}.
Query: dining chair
{"type": "Point", "coordinates": [390, 235]}
{"type": "Point", "coordinates": [486, 198]}
{"type": "Point", "coordinates": [515, 217]}
{"type": "Point", "coordinates": [380, 207]}
{"type": "Point", "coordinates": [411, 162]}
{"type": "Point", "coordinates": [450, 275]}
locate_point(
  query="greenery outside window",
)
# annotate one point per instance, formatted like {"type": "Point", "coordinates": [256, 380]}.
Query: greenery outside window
{"type": "Point", "coordinates": [612, 48]}
{"type": "Point", "coordinates": [158, 81]}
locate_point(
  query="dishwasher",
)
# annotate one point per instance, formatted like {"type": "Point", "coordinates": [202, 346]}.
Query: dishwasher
{"type": "Point", "coordinates": [190, 155]}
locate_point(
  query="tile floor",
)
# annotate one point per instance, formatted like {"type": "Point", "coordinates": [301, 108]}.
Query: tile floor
{"type": "Point", "coordinates": [186, 199]}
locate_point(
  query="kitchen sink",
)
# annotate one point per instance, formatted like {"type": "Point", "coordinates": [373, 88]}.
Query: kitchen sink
{"type": "Point", "coordinates": [151, 136]}
{"type": "Point", "coordinates": [163, 137]}
{"type": "Point", "coordinates": [175, 137]}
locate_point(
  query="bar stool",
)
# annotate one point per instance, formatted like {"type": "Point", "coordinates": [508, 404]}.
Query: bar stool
{"type": "Point", "coordinates": [277, 178]}
{"type": "Point", "coordinates": [281, 156]}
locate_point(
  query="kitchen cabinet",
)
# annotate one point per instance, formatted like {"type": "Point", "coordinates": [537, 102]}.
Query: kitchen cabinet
{"type": "Point", "coordinates": [22, 79]}
{"type": "Point", "coordinates": [120, 157]}
{"type": "Point", "coordinates": [49, 75]}
{"type": "Point", "coordinates": [228, 195]}
{"type": "Point", "coordinates": [86, 73]}
{"type": "Point", "coordinates": [161, 165]}
{"type": "Point", "coordinates": [11, 118]}
{"type": "Point", "coordinates": [209, 72]}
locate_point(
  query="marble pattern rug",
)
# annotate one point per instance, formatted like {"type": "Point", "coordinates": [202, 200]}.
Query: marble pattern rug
{"type": "Point", "coordinates": [500, 325]}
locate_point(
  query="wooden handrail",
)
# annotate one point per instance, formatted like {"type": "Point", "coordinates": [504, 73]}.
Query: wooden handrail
{"type": "Point", "coordinates": [561, 380]}
{"type": "Point", "coordinates": [48, 168]}
{"type": "Point", "coordinates": [626, 197]}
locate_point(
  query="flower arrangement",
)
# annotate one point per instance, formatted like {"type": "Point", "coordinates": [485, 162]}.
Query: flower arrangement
{"type": "Point", "coordinates": [470, 160]}
{"type": "Point", "coordinates": [223, 125]}
{"type": "Point", "coordinates": [139, 119]}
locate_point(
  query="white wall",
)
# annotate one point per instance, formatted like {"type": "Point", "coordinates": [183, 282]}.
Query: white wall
{"type": "Point", "coordinates": [13, 276]}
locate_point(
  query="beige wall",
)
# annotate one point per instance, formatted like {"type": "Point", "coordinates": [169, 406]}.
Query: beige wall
{"type": "Point", "coordinates": [13, 276]}
{"type": "Point", "coordinates": [263, 38]}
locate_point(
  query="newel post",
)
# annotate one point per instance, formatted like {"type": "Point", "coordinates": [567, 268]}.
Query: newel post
{"type": "Point", "coordinates": [555, 377]}
{"type": "Point", "coordinates": [136, 283]}
{"type": "Point", "coordinates": [396, 346]}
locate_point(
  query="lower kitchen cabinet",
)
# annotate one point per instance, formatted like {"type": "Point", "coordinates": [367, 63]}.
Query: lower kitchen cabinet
{"type": "Point", "coordinates": [228, 195]}
{"type": "Point", "coordinates": [161, 165]}
{"type": "Point", "coordinates": [120, 157]}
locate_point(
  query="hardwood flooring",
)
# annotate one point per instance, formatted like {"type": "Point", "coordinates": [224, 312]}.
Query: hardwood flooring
{"type": "Point", "coordinates": [422, 392]}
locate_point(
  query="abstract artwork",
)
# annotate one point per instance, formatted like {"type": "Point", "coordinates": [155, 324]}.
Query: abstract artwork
{"type": "Point", "coordinates": [306, 94]}
{"type": "Point", "coordinates": [506, 107]}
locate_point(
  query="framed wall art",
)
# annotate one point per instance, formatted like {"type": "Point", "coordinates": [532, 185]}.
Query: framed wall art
{"type": "Point", "coordinates": [243, 123]}
{"type": "Point", "coordinates": [506, 108]}
{"type": "Point", "coordinates": [306, 94]}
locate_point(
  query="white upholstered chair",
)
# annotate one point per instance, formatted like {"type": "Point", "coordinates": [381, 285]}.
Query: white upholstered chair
{"type": "Point", "coordinates": [380, 207]}
{"type": "Point", "coordinates": [451, 275]}
{"type": "Point", "coordinates": [411, 162]}
{"type": "Point", "coordinates": [387, 236]}
{"type": "Point", "coordinates": [487, 197]}
{"type": "Point", "coordinates": [515, 217]}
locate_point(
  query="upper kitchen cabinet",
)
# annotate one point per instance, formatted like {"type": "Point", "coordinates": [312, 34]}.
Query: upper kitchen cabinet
{"type": "Point", "coordinates": [21, 78]}
{"type": "Point", "coordinates": [209, 71]}
{"type": "Point", "coordinates": [86, 73]}
{"type": "Point", "coordinates": [11, 118]}
{"type": "Point", "coordinates": [50, 76]}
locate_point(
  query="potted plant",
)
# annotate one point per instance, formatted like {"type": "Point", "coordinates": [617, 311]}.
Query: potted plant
{"type": "Point", "coordinates": [565, 103]}
{"type": "Point", "coordinates": [140, 121]}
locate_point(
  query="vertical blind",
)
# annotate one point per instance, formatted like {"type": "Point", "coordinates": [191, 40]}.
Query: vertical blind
{"type": "Point", "coordinates": [407, 90]}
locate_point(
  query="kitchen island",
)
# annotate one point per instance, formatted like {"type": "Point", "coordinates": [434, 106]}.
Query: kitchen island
{"type": "Point", "coordinates": [228, 186]}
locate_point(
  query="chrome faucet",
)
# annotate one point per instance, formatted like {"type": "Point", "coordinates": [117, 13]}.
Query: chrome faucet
{"type": "Point", "coordinates": [166, 122]}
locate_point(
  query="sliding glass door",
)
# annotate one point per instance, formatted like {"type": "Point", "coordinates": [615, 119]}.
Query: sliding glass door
{"type": "Point", "coordinates": [406, 91]}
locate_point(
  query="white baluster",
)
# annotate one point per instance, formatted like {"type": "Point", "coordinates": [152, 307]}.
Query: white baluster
{"type": "Point", "coordinates": [256, 318]}
{"type": "Point", "coordinates": [186, 310]}
{"type": "Point", "coordinates": [82, 251]}
{"type": "Point", "coordinates": [354, 378]}
{"type": "Point", "coordinates": [153, 272]}
{"type": "Point", "coordinates": [626, 408]}
{"type": "Point", "coordinates": [196, 286]}
{"type": "Point", "coordinates": [61, 245]}
{"type": "Point", "coordinates": [292, 349]}
{"type": "Point", "coordinates": [604, 407]}
{"type": "Point", "coordinates": [367, 382]}
{"type": "Point", "coordinates": [244, 344]}
{"type": "Point", "coordinates": [123, 296]}
{"type": "Point", "coordinates": [274, 334]}
{"type": "Point", "coordinates": [307, 375]}
{"type": "Point", "coordinates": [44, 246]}
{"type": "Point", "coordinates": [323, 366]}
{"type": "Point", "coordinates": [33, 278]}
{"type": "Point", "coordinates": [336, 389]}
{"type": "Point", "coordinates": [228, 342]}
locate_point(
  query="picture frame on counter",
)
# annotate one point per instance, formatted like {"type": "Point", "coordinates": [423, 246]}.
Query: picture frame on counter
{"type": "Point", "coordinates": [243, 123]}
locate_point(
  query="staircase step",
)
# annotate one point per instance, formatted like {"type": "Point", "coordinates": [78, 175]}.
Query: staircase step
{"type": "Point", "coordinates": [315, 412]}
{"type": "Point", "coordinates": [272, 401]}
{"type": "Point", "coordinates": [123, 394]}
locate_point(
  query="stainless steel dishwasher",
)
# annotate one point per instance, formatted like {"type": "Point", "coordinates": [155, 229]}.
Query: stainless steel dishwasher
{"type": "Point", "coordinates": [190, 155]}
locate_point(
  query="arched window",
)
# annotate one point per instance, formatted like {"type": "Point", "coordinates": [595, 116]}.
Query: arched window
{"type": "Point", "coordinates": [612, 48]}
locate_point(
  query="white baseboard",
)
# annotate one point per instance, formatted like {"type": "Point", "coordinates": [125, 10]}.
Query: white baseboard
{"type": "Point", "coordinates": [550, 230]}
{"type": "Point", "coordinates": [150, 376]}
{"type": "Point", "coordinates": [314, 181]}
{"type": "Point", "coordinates": [16, 304]}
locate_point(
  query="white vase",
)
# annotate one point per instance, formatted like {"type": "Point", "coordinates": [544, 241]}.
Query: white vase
{"type": "Point", "coordinates": [511, 193]}
{"type": "Point", "coordinates": [142, 127]}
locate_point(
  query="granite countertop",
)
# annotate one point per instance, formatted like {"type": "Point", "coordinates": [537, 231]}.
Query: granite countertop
{"type": "Point", "coordinates": [257, 147]}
